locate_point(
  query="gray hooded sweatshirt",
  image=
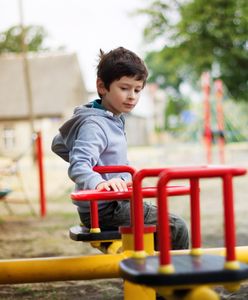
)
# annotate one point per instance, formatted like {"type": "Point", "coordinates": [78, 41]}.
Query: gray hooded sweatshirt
{"type": "Point", "coordinates": [91, 137]}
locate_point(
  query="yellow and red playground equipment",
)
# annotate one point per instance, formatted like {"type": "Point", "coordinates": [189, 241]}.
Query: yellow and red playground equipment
{"type": "Point", "coordinates": [177, 274]}
{"type": "Point", "coordinates": [209, 134]}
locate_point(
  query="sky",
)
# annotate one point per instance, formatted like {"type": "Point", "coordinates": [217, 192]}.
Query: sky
{"type": "Point", "coordinates": [82, 26]}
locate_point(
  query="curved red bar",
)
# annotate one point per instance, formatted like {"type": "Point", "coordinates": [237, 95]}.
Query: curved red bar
{"type": "Point", "coordinates": [147, 192]}
{"type": "Point", "coordinates": [226, 173]}
{"type": "Point", "coordinates": [106, 169]}
{"type": "Point", "coordinates": [115, 169]}
{"type": "Point", "coordinates": [137, 201]}
{"type": "Point", "coordinates": [137, 211]}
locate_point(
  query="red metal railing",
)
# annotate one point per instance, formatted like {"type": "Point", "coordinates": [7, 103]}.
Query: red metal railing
{"type": "Point", "coordinates": [137, 201]}
{"type": "Point", "coordinates": [146, 192]}
{"type": "Point", "coordinates": [194, 175]}
{"type": "Point", "coordinates": [93, 204]}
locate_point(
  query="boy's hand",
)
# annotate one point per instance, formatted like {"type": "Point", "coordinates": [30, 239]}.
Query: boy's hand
{"type": "Point", "coordinates": [114, 184]}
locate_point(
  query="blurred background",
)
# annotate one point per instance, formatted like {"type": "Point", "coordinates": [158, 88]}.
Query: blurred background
{"type": "Point", "coordinates": [49, 52]}
{"type": "Point", "coordinates": [193, 110]}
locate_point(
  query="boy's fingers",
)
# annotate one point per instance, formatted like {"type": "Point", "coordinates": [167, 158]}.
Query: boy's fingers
{"type": "Point", "coordinates": [114, 187]}
{"type": "Point", "coordinates": [124, 186]}
{"type": "Point", "coordinates": [99, 187]}
{"type": "Point", "coordinates": [107, 187]}
{"type": "Point", "coordinates": [115, 184]}
{"type": "Point", "coordinates": [103, 186]}
{"type": "Point", "coordinates": [119, 186]}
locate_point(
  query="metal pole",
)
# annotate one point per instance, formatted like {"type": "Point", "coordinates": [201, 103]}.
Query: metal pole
{"type": "Point", "coordinates": [26, 71]}
{"type": "Point", "coordinates": [207, 115]}
{"type": "Point", "coordinates": [220, 118]}
{"type": "Point", "coordinates": [39, 149]}
{"type": "Point", "coordinates": [230, 237]}
{"type": "Point", "coordinates": [195, 215]}
{"type": "Point", "coordinates": [80, 267]}
{"type": "Point", "coordinates": [59, 268]}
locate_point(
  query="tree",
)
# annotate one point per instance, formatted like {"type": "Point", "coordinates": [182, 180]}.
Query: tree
{"type": "Point", "coordinates": [10, 40]}
{"type": "Point", "coordinates": [173, 113]}
{"type": "Point", "coordinates": [199, 36]}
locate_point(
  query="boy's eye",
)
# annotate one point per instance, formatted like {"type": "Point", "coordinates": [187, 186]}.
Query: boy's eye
{"type": "Point", "coordinates": [123, 88]}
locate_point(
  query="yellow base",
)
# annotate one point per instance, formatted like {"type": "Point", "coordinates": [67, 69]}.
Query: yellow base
{"type": "Point", "coordinates": [115, 247]}
{"type": "Point", "coordinates": [95, 230]}
{"type": "Point", "coordinates": [166, 269]}
{"type": "Point", "coordinates": [95, 244]}
{"type": "Point", "coordinates": [191, 293]}
{"type": "Point", "coordinates": [139, 254]}
{"type": "Point", "coordinates": [196, 251]}
{"type": "Point", "coordinates": [232, 265]}
{"type": "Point", "coordinates": [128, 242]}
{"type": "Point", "coordinates": [202, 293]}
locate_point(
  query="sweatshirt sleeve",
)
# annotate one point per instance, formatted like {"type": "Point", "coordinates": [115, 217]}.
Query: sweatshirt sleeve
{"type": "Point", "coordinates": [60, 148]}
{"type": "Point", "coordinates": [84, 155]}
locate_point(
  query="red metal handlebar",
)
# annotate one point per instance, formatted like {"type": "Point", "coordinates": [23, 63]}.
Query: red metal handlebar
{"type": "Point", "coordinates": [115, 169]}
{"type": "Point", "coordinates": [137, 202]}
{"type": "Point", "coordinates": [106, 169]}
{"type": "Point", "coordinates": [223, 172]}
{"type": "Point", "coordinates": [147, 192]}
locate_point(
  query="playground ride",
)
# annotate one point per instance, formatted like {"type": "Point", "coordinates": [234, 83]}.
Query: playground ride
{"type": "Point", "coordinates": [106, 241]}
{"type": "Point", "coordinates": [186, 271]}
{"type": "Point", "coordinates": [109, 241]}
{"type": "Point", "coordinates": [173, 274]}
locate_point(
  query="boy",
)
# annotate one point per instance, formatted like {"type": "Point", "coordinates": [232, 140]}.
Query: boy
{"type": "Point", "coordinates": [95, 136]}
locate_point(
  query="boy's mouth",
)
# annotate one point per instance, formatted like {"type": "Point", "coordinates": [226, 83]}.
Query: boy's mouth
{"type": "Point", "coordinates": [128, 105]}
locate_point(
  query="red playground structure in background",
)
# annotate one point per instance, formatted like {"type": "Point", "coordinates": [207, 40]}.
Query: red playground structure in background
{"type": "Point", "coordinates": [208, 133]}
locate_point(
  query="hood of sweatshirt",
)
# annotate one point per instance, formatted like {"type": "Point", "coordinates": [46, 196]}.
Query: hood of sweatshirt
{"type": "Point", "coordinates": [69, 129]}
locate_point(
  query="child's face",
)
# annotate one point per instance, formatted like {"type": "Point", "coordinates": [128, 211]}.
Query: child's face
{"type": "Point", "coordinates": [122, 96]}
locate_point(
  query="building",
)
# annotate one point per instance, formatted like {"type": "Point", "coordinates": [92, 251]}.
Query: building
{"type": "Point", "coordinates": [56, 87]}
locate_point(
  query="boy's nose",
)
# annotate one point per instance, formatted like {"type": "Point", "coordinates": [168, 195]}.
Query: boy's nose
{"type": "Point", "coordinates": [131, 95]}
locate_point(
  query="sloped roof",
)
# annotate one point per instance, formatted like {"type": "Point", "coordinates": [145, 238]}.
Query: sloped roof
{"type": "Point", "coordinates": [56, 83]}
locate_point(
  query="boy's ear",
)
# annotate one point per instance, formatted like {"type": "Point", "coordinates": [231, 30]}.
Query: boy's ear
{"type": "Point", "coordinates": [100, 87]}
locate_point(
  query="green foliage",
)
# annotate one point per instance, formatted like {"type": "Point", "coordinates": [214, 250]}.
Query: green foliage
{"type": "Point", "coordinates": [175, 106]}
{"type": "Point", "coordinates": [199, 36]}
{"type": "Point", "coordinates": [11, 39]}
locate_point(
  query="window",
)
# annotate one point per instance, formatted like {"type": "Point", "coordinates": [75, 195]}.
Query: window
{"type": "Point", "coordinates": [9, 137]}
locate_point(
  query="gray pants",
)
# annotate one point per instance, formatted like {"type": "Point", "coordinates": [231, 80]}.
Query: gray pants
{"type": "Point", "coordinates": [118, 214]}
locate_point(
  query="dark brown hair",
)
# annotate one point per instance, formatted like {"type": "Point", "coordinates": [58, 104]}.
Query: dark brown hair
{"type": "Point", "coordinates": [120, 62]}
